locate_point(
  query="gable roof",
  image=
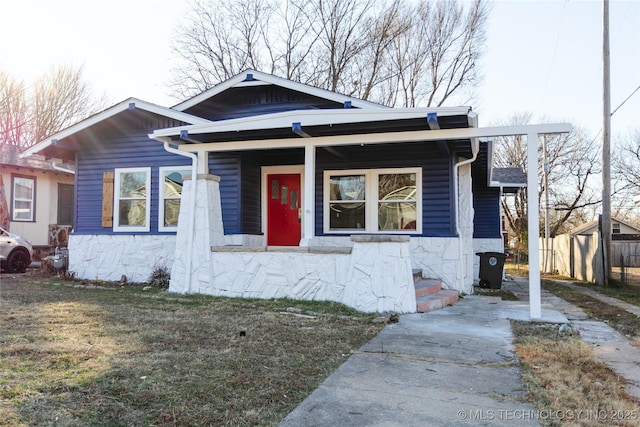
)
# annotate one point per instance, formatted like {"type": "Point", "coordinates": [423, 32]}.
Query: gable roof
{"type": "Point", "coordinates": [131, 103]}
{"type": "Point", "coordinates": [584, 227]}
{"type": "Point", "coordinates": [258, 78]}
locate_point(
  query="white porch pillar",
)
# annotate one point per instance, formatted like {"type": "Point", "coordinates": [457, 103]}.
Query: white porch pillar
{"type": "Point", "coordinates": [203, 162]}
{"type": "Point", "coordinates": [533, 228]}
{"type": "Point", "coordinates": [308, 203]}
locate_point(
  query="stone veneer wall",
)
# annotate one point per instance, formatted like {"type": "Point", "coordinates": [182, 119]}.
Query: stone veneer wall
{"type": "Point", "coordinates": [109, 257]}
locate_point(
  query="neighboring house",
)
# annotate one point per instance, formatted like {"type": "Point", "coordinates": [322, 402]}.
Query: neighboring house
{"type": "Point", "coordinates": [39, 198]}
{"type": "Point", "coordinates": [299, 192]}
{"type": "Point", "coordinates": [620, 230]}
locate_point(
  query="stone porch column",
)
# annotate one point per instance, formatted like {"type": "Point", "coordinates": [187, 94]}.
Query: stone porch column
{"type": "Point", "coordinates": [379, 276]}
{"type": "Point", "coordinates": [191, 268]}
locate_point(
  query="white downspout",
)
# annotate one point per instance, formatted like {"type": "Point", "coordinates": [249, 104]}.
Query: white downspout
{"type": "Point", "coordinates": [475, 148]}
{"type": "Point", "coordinates": [192, 214]}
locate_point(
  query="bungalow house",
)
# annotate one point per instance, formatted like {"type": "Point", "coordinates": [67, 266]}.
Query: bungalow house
{"type": "Point", "coordinates": [264, 187]}
{"type": "Point", "coordinates": [37, 198]}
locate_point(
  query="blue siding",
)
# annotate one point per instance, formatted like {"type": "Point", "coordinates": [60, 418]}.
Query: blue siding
{"type": "Point", "coordinates": [437, 201]}
{"type": "Point", "coordinates": [486, 220]}
{"type": "Point", "coordinates": [118, 143]}
{"type": "Point", "coordinates": [227, 167]}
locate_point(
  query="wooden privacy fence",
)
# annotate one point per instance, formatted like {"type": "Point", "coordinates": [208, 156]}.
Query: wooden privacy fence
{"type": "Point", "coordinates": [578, 257]}
{"type": "Point", "coordinates": [627, 251]}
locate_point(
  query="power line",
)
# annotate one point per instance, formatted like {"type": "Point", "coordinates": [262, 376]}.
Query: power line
{"type": "Point", "coordinates": [623, 102]}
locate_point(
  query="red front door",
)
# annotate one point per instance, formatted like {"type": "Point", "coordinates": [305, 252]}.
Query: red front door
{"type": "Point", "coordinates": [283, 209]}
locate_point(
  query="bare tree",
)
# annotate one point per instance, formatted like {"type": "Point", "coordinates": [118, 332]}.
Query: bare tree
{"type": "Point", "coordinates": [626, 163]}
{"type": "Point", "coordinates": [572, 162]}
{"type": "Point", "coordinates": [60, 98]}
{"type": "Point", "coordinates": [13, 110]}
{"type": "Point", "coordinates": [54, 101]}
{"type": "Point", "coordinates": [394, 52]}
{"type": "Point", "coordinates": [442, 47]}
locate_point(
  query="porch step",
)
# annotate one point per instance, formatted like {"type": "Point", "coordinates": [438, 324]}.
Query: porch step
{"type": "Point", "coordinates": [427, 287]}
{"type": "Point", "coordinates": [430, 296]}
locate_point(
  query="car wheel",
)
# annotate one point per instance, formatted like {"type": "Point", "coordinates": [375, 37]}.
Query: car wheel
{"type": "Point", "coordinates": [17, 262]}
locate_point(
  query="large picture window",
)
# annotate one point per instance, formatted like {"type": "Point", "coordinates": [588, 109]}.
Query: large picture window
{"type": "Point", "coordinates": [23, 198]}
{"type": "Point", "coordinates": [132, 199]}
{"type": "Point", "coordinates": [171, 180]}
{"type": "Point", "coordinates": [373, 201]}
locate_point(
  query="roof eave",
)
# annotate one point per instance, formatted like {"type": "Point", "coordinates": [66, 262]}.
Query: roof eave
{"type": "Point", "coordinates": [260, 78]}
{"type": "Point", "coordinates": [110, 112]}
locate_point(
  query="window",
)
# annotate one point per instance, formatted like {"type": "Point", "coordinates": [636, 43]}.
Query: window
{"type": "Point", "coordinates": [132, 199]}
{"type": "Point", "coordinates": [171, 180]}
{"type": "Point", "coordinates": [24, 198]}
{"type": "Point", "coordinates": [373, 201]}
{"type": "Point", "coordinates": [615, 228]}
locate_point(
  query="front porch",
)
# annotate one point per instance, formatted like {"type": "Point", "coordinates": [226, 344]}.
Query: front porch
{"type": "Point", "coordinates": [372, 273]}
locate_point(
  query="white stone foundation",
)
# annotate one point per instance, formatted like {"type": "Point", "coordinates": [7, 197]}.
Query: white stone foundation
{"type": "Point", "coordinates": [373, 276]}
{"type": "Point", "coordinates": [109, 257]}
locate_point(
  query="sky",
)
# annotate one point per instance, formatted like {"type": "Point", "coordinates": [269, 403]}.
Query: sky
{"type": "Point", "coordinates": [542, 57]}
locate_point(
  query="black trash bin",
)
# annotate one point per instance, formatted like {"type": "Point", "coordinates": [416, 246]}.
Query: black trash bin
{"type": "Point", "coordinates": [491, 265]}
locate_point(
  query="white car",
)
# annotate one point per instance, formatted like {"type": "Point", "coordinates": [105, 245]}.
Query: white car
{"type": "Point", "coordinates": [15, 252]}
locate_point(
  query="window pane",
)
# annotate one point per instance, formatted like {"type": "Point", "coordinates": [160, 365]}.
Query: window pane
{"type": "Point", "coordinates": [171, 211]}
{"type": "Point", "coordinates": [133, 184]}
{"type": "Point", "coordinates": [173, 181]}
{"type": "Point", "coordinates": [397, 216]}
{"type": "Point", "coordinates": [132, 212]}
{"type": "Point", "coordinates": [346, 215]}
{"type": "Point", "coordinates": [23, 188]}
{"type": "Point", "coordinates": [397, 186]}
{"type": "Point", "coordinates": [22, 210]}
{"type": "Point", "coordinates": [348, 187]}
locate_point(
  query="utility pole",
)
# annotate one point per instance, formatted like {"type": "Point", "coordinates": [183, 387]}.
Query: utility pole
{"type": "Point", "coordinates": [606, 145]}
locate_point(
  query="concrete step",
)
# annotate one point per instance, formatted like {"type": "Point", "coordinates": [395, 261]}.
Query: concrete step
{"type": "Point", "coordinates": [436, 300]}
{"type": "Point", "coordinates": [427, 286]}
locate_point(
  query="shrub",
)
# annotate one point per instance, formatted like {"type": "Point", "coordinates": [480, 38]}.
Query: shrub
{"type": "Point", "coordinates": [160, 277]}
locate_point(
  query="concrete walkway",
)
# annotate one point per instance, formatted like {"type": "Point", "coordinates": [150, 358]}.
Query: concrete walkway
{"type": "Point", "coordinates": [450, 367]}
{"type": "Point", "coordinates": [453, 366]}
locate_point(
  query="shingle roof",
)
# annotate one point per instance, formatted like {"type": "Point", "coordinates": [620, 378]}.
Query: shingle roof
{"type": "Point", "coordinates": [10, 155]}
{"type": "Point", "coordinates": [509, 176]}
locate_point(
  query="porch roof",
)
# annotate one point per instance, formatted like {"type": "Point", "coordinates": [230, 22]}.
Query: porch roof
{"type": "Point", "coordinates": [319, 123]}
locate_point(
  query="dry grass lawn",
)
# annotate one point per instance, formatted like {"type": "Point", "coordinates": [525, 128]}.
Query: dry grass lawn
{"type": "Point", "coordinates": [567, 381]}
{"type": "Point", "coordinates": [74, 356]}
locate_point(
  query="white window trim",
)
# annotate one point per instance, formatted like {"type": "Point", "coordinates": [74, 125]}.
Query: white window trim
{"type": "Point", "coordinates": [116, 201]}
{"type": "Point", "coordinates": [161, 198]}
{"type": "Point", "coordinates": [371, 200]}
{"type": "Point", "coordinates": [15, 199]}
